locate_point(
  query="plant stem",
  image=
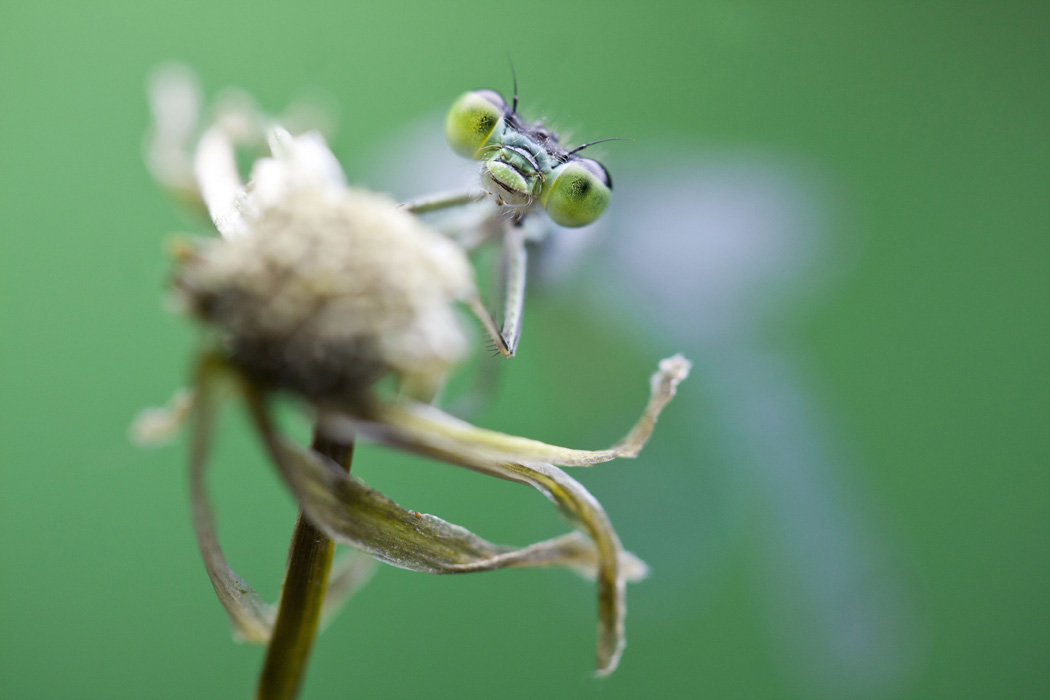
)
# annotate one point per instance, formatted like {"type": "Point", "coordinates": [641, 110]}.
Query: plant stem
{"type": "Point", "coordinates": [299, 611]}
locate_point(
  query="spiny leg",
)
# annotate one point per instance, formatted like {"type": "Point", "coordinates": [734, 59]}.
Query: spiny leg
{"type": "Point", "coordinates": [512, 268]}
{"type": "Point", "coordinates": [477, 307]}
{"type": "Point", "coordinates": [513, 265]}
{"type": "Point", "coordinates": [509, 282]}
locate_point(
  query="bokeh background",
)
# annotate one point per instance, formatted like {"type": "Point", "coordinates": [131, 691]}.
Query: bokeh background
{"type": "Point", "coordinates": [839, 211]}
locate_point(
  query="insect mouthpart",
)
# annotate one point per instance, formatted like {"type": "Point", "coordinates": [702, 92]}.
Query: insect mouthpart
{"type": "Point", "coordinates": [509, 185]}
{"type": "Point", "coordinates": [513, 173]}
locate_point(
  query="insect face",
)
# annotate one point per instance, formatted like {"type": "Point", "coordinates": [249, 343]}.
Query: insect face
{"type": "Point", "coordinates": [523, 164]}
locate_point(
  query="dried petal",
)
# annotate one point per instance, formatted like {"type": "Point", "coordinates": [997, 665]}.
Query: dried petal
{"type": "Point", "coordinates": [426, 430]}
{"type": "Point", "coordinates": [174, 101]}
{"type": "Point", "coordinates": [158, 425]}
{"type": "Point", "coordinates": [352, 513]}
{"type": "Point", "coordinates": [251, 617]}
{"type": "Point", "coordinates": [441, 430]}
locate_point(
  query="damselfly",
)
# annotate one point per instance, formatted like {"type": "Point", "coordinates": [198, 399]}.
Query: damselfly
{"type": "Point", "coordinates": [524, 171]}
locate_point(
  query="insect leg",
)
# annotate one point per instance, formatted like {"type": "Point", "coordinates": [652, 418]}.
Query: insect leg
{"type": "Point", "coordinates": [477, 307]}
{"type": "Point", "coordinates": [513, 262]}
{"type": "Point", "coordinates": [443, 200]}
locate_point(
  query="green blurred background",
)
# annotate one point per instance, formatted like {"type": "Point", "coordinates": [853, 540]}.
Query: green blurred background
{"type": "Point", "coordinates": [848, 499]}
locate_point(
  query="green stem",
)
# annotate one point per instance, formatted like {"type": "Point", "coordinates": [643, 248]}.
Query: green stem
{"type": "Point", "coordinates": [302, 596]}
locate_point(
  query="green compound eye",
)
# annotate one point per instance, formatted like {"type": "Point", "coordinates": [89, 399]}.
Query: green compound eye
{"type": "Point", "coordinates": [472, 120]}
{"type": "Point", "coordinates": [579, 194]}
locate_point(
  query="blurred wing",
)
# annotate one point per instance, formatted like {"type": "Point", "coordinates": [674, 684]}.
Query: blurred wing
{"type": "Point", "coordinates": [713, 254]}
{"type": "Point", "coordinates": [718, 254]}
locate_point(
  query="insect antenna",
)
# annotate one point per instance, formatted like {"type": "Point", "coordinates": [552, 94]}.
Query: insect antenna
{"type": "Point", "coordinates": [514, 78]}
{"type": "Point", "coordinates": [580, 148]}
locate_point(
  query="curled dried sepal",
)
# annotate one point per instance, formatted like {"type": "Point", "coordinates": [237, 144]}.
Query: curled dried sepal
{"type": "Point", "coordinates": [354, 514]}
{"type": "Point", "coordinates": [298, 164]}
{"type": "Point", "coordinates": [350, 512]}
{"type": "Point", "coordinates": [233, 121]}
{"type": "Point", "coordinates": [442, 431]}
{"type": "Point", "coordinates": [175, 102]}
{"type": "Point", "coordinates": [251, 617]}
{"type": "Point", "coordinates": [430, 432]}
{"type": "Point", "coordinates": [158, 425]}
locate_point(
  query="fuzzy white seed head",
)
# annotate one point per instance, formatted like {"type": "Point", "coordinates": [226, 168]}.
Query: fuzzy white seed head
{"type": "Point", "coordinates": [329, 291]}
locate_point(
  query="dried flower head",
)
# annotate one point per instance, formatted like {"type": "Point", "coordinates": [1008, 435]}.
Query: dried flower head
{"type": "Point", "coordinates": [319, 290]}
{"type": "Point", "coordinates": [327, 294]}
